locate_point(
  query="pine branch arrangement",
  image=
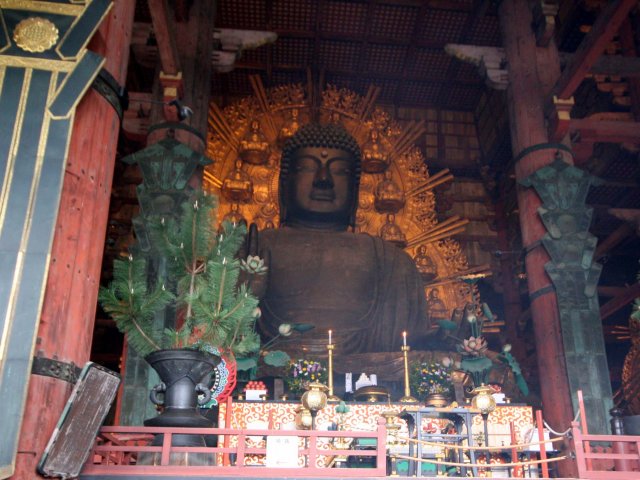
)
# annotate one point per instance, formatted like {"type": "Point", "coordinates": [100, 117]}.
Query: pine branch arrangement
{"type": "Point", "coordinates": [201, 263]}
{"type": "Point", "coordinates": [132, 305]}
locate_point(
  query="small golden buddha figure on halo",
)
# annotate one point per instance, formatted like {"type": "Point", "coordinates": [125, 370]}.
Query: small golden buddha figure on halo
{"type": "Point", "coordinates": [254, 147]}
{"type": "Point", "coordinates": [392, 232]}
{"type": "Point", "coordinates": [389, 198]}
{"type": "Point", "coordinates": [335, 118]}
{"type": "Point", "coordinates": [436, 309]}
{"type": "Point", "coordinates": [234, 216]}
{"type": "Point", "coordinates": [375, 157]}
{"type": "Point", "coordinates": [237, 187]}
{"type": "Point", "coordinates": [289, 129]}
{"type": "Point", "coordinates": [426, 266]}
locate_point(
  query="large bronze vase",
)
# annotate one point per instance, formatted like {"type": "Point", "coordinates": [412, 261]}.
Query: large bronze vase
{"type": "Point", "coordinates": [185, 374]}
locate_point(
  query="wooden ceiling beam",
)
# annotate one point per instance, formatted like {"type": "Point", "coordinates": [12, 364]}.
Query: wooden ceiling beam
{"type": "Point", "coordinates": [364, 40]}
{"type": "Point", "coordinates": [605, 27]}
{"type": "Point", "coordinates": [164, 29]}
{"type": "Point", "coordinates": [617, 65]}
{"type": "Point", "coordinates": [621, 300]}
{"type": "Point", "coordinates": [243, 65]}
{"type": "Point", "coordinates": [629, 52]}
{"type": "Point", "coordinates": [269, 47]}
{"type": "Point", "coordinates": [620, 234]}
{"type": "Point", "coordinates": [609, 291]}
{"type": "Point", "coordinates": [410, 52]}
{"type": "Point", "coordinates": [480, 7]}
{"type": "Point", "coordinates": [593, 131]}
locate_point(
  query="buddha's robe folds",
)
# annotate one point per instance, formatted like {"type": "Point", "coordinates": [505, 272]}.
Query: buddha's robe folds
{"type": "Point", "coordinates": [366, 290]}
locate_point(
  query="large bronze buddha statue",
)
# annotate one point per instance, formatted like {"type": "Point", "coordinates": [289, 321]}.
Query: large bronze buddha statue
{"type": "Point", "coordinates": [366, 290]}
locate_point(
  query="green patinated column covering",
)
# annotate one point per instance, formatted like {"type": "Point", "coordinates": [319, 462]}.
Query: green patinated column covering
{"type": "Point", "coordinates": [563, 189]}
{"type": "Point", "coordinates": [43, 76]}
{"type": "Point", "coordinates": [166, 168]}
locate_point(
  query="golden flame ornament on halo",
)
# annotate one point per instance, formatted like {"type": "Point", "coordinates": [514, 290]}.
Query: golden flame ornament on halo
{"type": "Point", "coordinates": [35, 34]}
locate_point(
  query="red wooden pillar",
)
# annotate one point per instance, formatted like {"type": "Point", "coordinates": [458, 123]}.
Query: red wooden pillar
{"type": "Point", "coordinates": [68, 311]}
{"type": "Point", "coordinates": [526, 102]}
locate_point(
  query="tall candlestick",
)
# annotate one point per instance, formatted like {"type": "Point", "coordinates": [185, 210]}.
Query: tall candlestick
{"type": "Point", "coordinates": [404, 339]}
{"type": "Point", "coordinates": [407, 389]}
{"type": "Point", "coordinates": [331, 396]}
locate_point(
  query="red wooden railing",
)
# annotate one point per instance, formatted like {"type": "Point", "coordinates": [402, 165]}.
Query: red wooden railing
{"type": "Point", "coordinates": [594, 463]}
{"type": "Point", "coordinates": [123, 450]}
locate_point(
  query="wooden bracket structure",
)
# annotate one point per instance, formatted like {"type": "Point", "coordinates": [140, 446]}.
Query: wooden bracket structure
{"type": "Point", "coordinates": [172, 89]}
{"type": "Point", "coordinates": [544, 21]}
{"type": "Point", "coordinates": [559, 118]}
{"type": "Point", "coordinates": [171, 74]}
{"type": "Point", "coordinates": [601, 34]}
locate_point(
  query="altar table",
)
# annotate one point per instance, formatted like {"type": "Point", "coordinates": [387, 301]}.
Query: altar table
{"type": "Point", "coordinates": [363, 416]}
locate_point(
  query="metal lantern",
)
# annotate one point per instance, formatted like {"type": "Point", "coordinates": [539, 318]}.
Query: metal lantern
{"type": "Point", "coordinates": [315, 399]}
{"type": "Point", "coordinates": [303, 418]}
{"type": "Point", "coordinates": [483, 400]}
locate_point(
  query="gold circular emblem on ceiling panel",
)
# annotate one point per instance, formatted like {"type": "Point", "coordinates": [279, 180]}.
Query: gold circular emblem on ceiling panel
{"type": "Point", "coordinates": [35, 34]}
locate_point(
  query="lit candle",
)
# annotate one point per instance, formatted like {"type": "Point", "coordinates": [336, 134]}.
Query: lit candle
{"type": "Point", "coordinates": [329, 337]}
{"type": "Point", "coordinates": [404, 339]}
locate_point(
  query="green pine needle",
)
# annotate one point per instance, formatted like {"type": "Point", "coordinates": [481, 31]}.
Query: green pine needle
{"type": "Point", "coordinates": [202, 264]}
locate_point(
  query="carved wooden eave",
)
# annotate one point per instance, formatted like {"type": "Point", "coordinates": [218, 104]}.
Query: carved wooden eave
{"type": "Point", "coordinates": [491, 62]}
{"type": "Point", "coordinates": [230, 43]}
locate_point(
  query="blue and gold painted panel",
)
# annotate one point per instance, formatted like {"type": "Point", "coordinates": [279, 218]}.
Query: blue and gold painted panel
{"type": "Point", "coordinates": [45, 70]}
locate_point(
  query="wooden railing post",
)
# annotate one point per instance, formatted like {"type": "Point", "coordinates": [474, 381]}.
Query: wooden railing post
{"type": "Point", "coordinates": [617, 447]}
{"type": "Point", "coordinates": [381, 445]}
{"type": "Point", "coordinates": [585, 429]}
{"type": "Point", "coordinates": [166, 449]}
{"type": "Point", "coordinates": [313, 449]}
{"type": "Point", "coordinates": [543, 446]}
{"type": "Point", "coordinates": [242, 438]}
{"type": "Point", "coordinates": [578, 448]}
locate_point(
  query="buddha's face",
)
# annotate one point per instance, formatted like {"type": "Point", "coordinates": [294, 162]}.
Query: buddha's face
{"type": "Point", "coordinates": [321, 185]}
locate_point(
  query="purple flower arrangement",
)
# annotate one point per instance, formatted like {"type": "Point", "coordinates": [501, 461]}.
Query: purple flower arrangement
{"type": "Point", "coordinates": [431, 377]}
{"type": "Point", "coordinates": [302, 372]}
